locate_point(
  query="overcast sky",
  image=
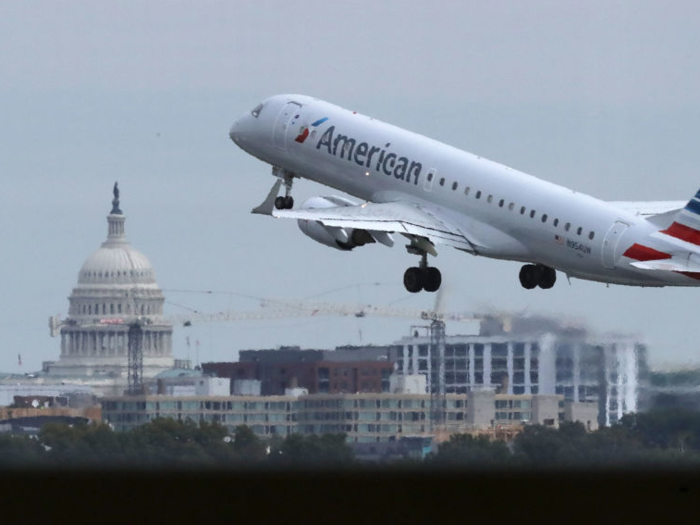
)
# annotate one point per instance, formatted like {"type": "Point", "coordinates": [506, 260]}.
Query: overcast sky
{"type": "Point", "coordinates": [602, 97]}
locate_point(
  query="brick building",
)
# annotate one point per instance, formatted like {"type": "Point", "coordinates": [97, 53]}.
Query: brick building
{"type": "Point", "coordinates": [342, 371]}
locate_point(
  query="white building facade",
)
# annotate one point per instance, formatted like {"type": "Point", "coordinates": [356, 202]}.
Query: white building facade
{"type": "Point", "coordinates": [116, 287]}
{"type": "Point", "coordinates": [607, 372]}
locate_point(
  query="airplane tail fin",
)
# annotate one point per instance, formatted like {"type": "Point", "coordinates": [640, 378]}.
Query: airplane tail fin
{"type": "Point", "coordinates": [679, 232]}
{"type": "Point", "coordinates": [686, 225]}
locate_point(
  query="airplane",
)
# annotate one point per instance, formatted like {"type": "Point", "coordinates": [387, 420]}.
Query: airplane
{"type": "Point", "coordinates": [437, 195]}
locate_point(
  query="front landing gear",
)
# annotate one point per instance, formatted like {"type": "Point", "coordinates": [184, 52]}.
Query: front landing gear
{"type": "Point", "coordinates": [422, 277]}
{"type": "Point", "coordinates": [286, 202]}
{"type": "Point", "coordinates": [533, 275]}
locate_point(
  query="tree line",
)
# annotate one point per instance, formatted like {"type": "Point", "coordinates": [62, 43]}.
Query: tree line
{"type": "Point", "coordinates": [668, 438]}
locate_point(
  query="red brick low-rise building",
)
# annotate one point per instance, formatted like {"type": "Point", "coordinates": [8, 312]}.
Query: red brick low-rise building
{"type": "Point", "coordinates": [318, 371]}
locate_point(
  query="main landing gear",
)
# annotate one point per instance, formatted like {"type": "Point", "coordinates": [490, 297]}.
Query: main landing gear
{"type": "Point", "coordinates": [286, 202]}
{"type": "Point", "coordinates": [533, 275]}
{"type": "Point", "coordinates": [421, 277]}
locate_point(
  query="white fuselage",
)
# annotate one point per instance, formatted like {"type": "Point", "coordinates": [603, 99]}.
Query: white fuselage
{"type": "Point", "coordinates": [507, 214]}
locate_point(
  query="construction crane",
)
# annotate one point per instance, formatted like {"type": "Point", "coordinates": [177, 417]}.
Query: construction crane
{"type": "Point", "coordinates": [135, 352]}
{"type": "Point", "coordinates": [438, 392]}
{"type": "Point", "coordinates": [289, 308]}
{"type": "Point", "coordinates": [286, 308]}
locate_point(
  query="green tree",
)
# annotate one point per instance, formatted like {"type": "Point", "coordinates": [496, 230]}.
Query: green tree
{"type": "Point", "coordinates": [674, 429]}
{"type": "Point", "coordinates": [465, 450]}
{"type": "Point", "coordinates": [325, 450]}
{"type": "Point", "coordinates": [538, 445]}
{"type": "Point", "coordinates": [85, 443]}
{"type": "Point", "coordinates": [247, 447]}
{"type": "Point", "coordinates": [181, 443]}
{"type": "Point", "coordinates": [160, 442]}
{"type": "Point", "coordinates": [18, 451]}
{"type": "Point", "coordinates": [542, 446]}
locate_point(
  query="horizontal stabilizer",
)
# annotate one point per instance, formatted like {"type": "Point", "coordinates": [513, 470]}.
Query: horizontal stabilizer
{"type": "Point", "coordinates": [674, 264]}
{"type": "Point", "coordinates": [677, 243]}
{"type": "Point", "coordinates": [650, 208]}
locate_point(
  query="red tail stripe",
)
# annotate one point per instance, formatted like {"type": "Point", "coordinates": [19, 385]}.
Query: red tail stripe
{"type": "Point", "coordinates": [684, 233]}
{"type": "Point", "coordinates": [644, 253]}
{"type": "Point", "coordinates": [694, 275]}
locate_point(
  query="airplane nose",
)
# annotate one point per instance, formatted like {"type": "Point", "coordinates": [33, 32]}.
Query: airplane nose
{"type": "Point", "coordinates": [241, 129]}
{"type": "Point", "coordinates": [233, 132]}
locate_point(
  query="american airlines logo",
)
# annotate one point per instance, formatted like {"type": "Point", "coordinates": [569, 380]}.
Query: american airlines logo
{"type": "Point", "coordinates": [305, 130]}
{"type": "Point", "coordinates": [363, 154]}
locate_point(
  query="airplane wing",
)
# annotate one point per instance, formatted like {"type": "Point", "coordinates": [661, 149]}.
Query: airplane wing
{"type": "Point", "coordinates": [409, 219]}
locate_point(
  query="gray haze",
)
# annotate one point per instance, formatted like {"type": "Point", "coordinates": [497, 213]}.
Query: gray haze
{"type": "Point", "coordinates": [598, 96]}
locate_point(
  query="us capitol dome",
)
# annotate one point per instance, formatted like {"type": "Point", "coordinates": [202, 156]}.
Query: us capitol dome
{"type": "Point", "coordinates": [116, 288]}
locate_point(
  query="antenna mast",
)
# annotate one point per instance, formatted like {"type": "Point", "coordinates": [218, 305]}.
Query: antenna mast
{"type": "Point", "coordinates": [438, 391]}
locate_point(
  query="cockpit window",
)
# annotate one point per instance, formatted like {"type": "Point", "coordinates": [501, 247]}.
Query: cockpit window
{"type": "Point", "coordinates": [256, 110]}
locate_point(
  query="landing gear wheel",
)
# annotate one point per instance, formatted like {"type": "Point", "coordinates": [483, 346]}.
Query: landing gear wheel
{"type": "Point", "coordinates": [548, 278]}
{"type": "Point", "coordinates": [432, 279]}
{"type": "Point", "coordinates": [530, 276]}
{"type": "Point", "coordinates": [284, 203]}
{"type": "Point", "coordinates": [413, 280]}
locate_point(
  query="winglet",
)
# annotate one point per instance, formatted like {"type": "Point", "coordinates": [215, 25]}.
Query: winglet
{"type": "Point", "coordinates": [269, 203]}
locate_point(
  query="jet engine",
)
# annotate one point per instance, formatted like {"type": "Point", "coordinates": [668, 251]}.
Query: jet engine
{"type": "Point", "coordinates": [339, 238]}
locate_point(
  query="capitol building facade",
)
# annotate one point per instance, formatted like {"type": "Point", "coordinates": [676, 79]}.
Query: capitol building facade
{"type": "Point", "coordinates": [116, 289]}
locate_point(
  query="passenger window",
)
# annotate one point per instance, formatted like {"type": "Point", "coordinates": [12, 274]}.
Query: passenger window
{"type": "Point", "coordinates": [556, 222]}
{"type": "Point", "coordinates": [522, 210]}
{"type": "Point", "coordinates": [511, 206]}
{"type": "Point", "coordinates": [532, 214]}
{"type": "Point", "coordinates": [501, 203]}
{"type": "Point", "coordinates": [490, 199]}
{"type": "Point", "coordinates": [579, 230]}
{"type": "Point", "coordinates": [478, 194]}
{"type": "Point", "coordinates": [430, 176]}
{"type": "Point", "coordinates": [544, 218]}
{"type": "Point", "coordinates": [454, 186]}
{"type": "Point", "coordinates": [442, 181]}
{"type": "Point", "coordinates": [591, 235]}
{"type": "Point", "coordinates": [466, 190]}
{"type": "Point", "coordinates": [567, 226]}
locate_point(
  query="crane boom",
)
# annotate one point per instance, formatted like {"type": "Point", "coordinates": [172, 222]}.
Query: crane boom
{"type": "Point", "coordinates": [291, 308]}
{"type": "Point", "coordinates": [286, 308]}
